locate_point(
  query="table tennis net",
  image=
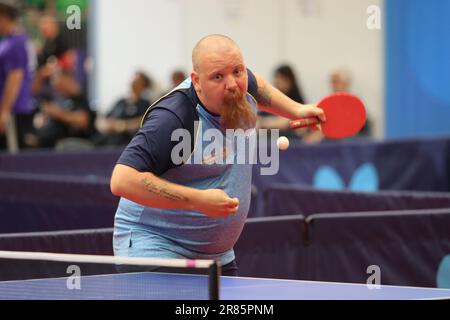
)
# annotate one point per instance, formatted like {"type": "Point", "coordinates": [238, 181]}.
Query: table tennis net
{"type": "Point", "coordinates": [73, 276]}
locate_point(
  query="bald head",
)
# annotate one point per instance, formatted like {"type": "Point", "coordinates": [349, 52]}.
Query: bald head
{"type": "Point", "coordinates": [212, 45]}
{"type": "Point", "coordinates": [218, 70]}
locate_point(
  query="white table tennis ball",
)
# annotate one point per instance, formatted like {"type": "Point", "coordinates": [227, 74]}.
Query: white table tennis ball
{"type": "Point", "coordinates": [282, 143]}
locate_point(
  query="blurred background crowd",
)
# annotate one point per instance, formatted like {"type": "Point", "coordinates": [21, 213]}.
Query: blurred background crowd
{"type": "Point", "coordinates": [45, 86]}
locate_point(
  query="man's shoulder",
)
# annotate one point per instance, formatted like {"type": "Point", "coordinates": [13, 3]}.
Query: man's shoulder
{"type": "Point", "coordinates": [178, 96]}
{"type": "Point", "coordinates": [179, 102]}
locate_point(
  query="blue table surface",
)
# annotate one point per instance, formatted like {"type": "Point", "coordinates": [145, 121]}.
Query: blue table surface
{"type": "Point", "coordinates": [146, 285]}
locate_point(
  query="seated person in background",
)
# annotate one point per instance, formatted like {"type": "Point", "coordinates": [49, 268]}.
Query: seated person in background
{"type": "Point", "coordinates": [52, 56]}
{"type": "Point", "coordinates": [55, 44]}
{"type": "Point", "coordinates": [122, 122]}
{"type": "Point", "coordinates": [340, 81]}
{"type": "Point", "coordinates": [41, 87]}
{"type": "Point", "coordinates": [285, 81]}
{"type": "Point", "coordinates": [177, 77]}
{"type": "Point", "coordinates": [67, 115]}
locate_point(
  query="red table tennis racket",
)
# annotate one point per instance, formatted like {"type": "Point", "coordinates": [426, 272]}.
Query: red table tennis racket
{"type": "Point", "coordinates": [345, 116]}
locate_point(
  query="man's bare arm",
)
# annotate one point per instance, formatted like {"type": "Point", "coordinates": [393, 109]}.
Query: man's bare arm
{"type": "Point", "coordinates": [272, 100]}
{"type": "Point", "coordinates": [149, 190]}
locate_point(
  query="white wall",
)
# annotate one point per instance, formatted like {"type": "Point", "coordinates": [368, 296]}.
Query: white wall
{"type": "Point", "coordinates": [315, 36]}
{"type": "Point", "coordinates": [253, 24]}
{"type": "Point", "coordinates": [143, 35]}
{"type": "Point", "coordinates": [334, 35]}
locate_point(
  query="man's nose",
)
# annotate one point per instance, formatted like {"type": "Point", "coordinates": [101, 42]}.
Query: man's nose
{"type": "Point", "coordinates": [231, 83]}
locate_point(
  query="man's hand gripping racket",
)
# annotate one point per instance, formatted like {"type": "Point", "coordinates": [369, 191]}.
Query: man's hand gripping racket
{"type": "Point", "coordinates": [345, 116]}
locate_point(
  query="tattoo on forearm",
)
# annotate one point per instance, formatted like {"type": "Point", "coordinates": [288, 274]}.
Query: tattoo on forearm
{"type": "Point", "coordinates": [263, 96]}
{"type": "Point", "coordinates": [162, 191]}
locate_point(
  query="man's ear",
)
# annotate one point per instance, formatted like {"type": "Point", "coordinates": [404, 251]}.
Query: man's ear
{"type": "Point", "coordinates": [195, 81]}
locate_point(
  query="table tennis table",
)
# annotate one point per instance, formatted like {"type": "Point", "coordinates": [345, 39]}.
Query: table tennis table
{"type": "Point", "coordinates": [146, 285]}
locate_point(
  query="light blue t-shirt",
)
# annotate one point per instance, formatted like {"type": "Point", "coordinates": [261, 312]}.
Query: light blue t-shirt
{"type": "Point", "coordinates": [152, 232]}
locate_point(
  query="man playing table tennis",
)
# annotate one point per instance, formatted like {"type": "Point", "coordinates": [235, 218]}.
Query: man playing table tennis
{"type": "Point", "coordinates": [194, 211]}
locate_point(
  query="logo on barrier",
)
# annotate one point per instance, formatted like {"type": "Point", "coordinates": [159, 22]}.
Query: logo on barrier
{"type": "Point", "coordinates": [365, 178]}
{"type": "Point", "coordinates": [73, 282]}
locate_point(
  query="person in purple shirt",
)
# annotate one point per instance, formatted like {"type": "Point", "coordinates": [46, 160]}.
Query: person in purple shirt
{"type": "Point", "coordinates": [16, 67]}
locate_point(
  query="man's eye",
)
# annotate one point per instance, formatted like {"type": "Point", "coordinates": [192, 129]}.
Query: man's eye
{"type": "Point", "coordinates": [218, 77]}
{"type": "Point", "coordinates": [237, 72]}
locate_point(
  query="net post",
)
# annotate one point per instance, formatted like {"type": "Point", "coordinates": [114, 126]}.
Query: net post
{"type": "Point", "coordinates": [214, 281]}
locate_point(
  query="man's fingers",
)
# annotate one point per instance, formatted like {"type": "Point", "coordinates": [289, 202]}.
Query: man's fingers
{"type": "Point", "coordinates": [319, 113]}
{"type": "Point", "coordinates": [230, 212]}
{"type": "Point", "coordinates": [234, 202]}
{"type": "Point", "coordinates": [231, 208]}
{"type": "Point", "coordinates": [226, 212]}
{"type": "Point", "coordinates": [322, 117]}
{"type": "Point", "coordinates": [315, 127]}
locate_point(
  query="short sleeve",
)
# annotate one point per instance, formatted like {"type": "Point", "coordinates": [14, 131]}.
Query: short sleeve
{"type": "Point", "coordinates": [150, 149]}
{"type": "Point", "coordinates": [17, 58]}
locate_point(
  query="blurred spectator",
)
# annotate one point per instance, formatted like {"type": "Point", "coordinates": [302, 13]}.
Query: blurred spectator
{"type": "Point", "coordinates": [124, 119]}
{"type": "Point", "coordinates": [54, 50]}
{"type": "Point", "coordinates": [286, 81]}
{"type": "Point", "coordinates": [340, 81]}
{"type": "Point", "coordinates": [66, 116]}
{"type": "Point", "coordinates": [55, 45]}
{"type": "Point", "coordinates": [17, 63]}
{"type": "Point", "coordinates": [178, 76]}
{"type": "Point", "coordinates": [41, 87]}
{"type": "Point", "coordinates": [55, 54]}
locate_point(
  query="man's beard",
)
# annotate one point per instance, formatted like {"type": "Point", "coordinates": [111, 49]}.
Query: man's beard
{"type": "Point", "coordinates": [237, 113]}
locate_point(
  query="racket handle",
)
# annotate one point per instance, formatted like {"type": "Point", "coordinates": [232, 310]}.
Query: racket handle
{"type": "Point", "coordinates": [301, 123]}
